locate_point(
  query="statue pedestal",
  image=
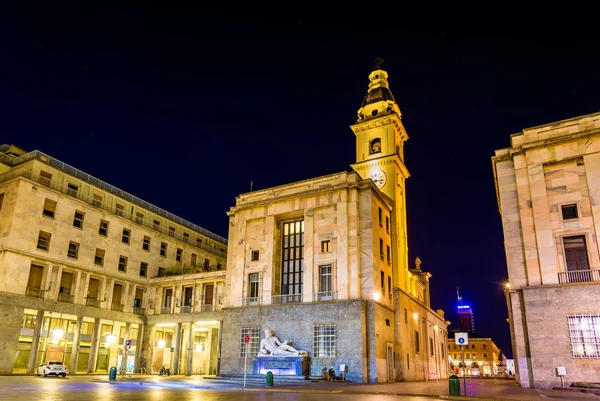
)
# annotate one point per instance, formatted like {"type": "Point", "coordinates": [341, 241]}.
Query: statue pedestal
{"type": "Point", "coordinates": [281, 365]}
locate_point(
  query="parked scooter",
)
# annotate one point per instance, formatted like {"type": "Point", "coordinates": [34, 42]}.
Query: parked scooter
{"type": "Point", "coordinates": [164, 372]}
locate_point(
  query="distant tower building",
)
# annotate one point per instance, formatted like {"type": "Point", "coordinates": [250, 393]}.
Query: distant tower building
{"type": "Point", "coordinates": [465, 315]}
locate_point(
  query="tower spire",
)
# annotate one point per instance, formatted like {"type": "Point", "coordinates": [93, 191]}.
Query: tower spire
{"type": "Point", "coordinates": [458, 297]}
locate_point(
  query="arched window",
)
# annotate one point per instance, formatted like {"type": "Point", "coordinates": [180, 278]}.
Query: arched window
{"type": "Point", "coordinates": [375, 146]}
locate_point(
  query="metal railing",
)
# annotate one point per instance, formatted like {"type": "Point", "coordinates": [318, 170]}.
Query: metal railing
{"type": "Point", "coordinates": [251, 301]}
{"type": "Point", "coordinates": [206, 308]}
{"type": "Point", "coordinates": [115, 191]}
{"type": "Point", "coordinates": [165, 310]}
{"type": "Point", "coordinates": [185, 309]}
{"type": "Point", "coordinates": [325, 296]}
{"type": "Point", "coordinates": [34, 292]}
{"type": "Point", "coordinates": [117, 307]}
{"type": "Point", "coordinates": [62, 297]}
{"type": "Point", "coordinates": [139, 310]}
{"type": "Point", "coordinates": [578, 276]}
{"type": "Point", "coordinates": [286, 299]}
{"type": "Point", "coordinates": [93, 302]}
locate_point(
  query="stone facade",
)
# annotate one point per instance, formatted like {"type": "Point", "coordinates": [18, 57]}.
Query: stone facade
{"type": "Point", "coordinates": [481, 357]}
{"type": "Point", "coordinates": [84, 266]}
{"type": "Point", "coordinates": [548, 183]}
{"type": "Point", "coordinates": [348, 271]}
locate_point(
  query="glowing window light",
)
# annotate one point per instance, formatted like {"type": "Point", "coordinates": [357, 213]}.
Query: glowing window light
{"type": "Point", "coordinates": [57, 333]}
{"type": "Point", "coordinates": [377, 296]}
{"type": "Point", "coordinates": [111, 339]}
{"type": "Point", "coordinates": [161, 343]}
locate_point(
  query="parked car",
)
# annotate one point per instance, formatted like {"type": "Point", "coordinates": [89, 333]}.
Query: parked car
{"type": "Point", "coordinates": [55, 368]}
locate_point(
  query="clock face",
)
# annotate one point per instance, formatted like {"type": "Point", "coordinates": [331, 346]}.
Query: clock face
{"type": "Point", "coordinates": [378, 178]}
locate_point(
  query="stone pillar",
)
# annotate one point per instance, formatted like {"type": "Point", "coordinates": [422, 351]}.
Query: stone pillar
{"type": "Point", "coordinates": [177, 349]}
{"type": "Point", "coordinates": [76, 287]}
{"type": "Point", "coordinates": [125, 297]}
{"type": "Point", "coordinates": [48, 281]}
{"type": "Point", "coordinates": [310, 279]}
{"type": "Point", "coordinates": [139, 348]}
{"type": "Point", "coordinates": [190, 352]}
{"type": "Point", "coordinates": [103, 296]}
{"type": "Point", "coordinates": [57, 286]}
{"type": "Point", "coordinates": [86, 288]}
{"type": "Point", "coordinates": [75, 346]}
{"type": "Point", "coordinates": [35, 341]}
{"type": "Point", "coordinates": [109, 290]}
{"type": "Point", "coordinates": [12, 317]}
{"type": "Point", "coordinates": [148, 347]}
{"type": "Point", "coordinates": [94, 346]}
{"type": "Point", "coordinates": [124, 355]}
{"type": "Point", "coordinates": [218, 371]}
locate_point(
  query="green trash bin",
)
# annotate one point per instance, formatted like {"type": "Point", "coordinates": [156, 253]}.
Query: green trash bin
{"type": "Point", "coordinates": [112, 374]}
{"type": "Point", "coordinates": [269, 379]}
{"type": "Point", "coordinates": [453, 385]}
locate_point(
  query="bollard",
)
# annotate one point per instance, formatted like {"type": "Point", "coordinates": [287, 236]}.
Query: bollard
{"type": "Point", "coordinates": [112, 374]}
{"type": "Point", "coordinates": [453, 385]}
{"type": "Point", "coordinates": [269, 379]}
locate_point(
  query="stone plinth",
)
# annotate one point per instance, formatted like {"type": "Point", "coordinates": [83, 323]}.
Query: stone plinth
{"type": "Point", "coordinates": [281, 365]}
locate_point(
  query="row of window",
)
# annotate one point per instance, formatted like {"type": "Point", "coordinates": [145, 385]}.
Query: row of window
{"type": "Point", "coordinates": [431, 347]}
{"type": "Point", "coordinates": [43, 243]}
{"type": "Point", "coordinates": [324, 341]}
{"type": "Point", "coordinates": [49, 211]}
{"type": "Point", "coordinates": [325, 248]}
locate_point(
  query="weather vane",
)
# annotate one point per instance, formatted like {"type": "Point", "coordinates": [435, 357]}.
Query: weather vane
{"type": "Point", "coordinates": [378, 63]}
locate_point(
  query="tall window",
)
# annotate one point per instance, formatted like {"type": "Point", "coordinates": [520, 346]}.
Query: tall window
{"type": "Point", "coordinates": [417, 343]}
{"type": "Point", "coordinates": [380, 215]}
{"type": "Point", "coordinates": [325, 280]}
{"type": "Point", "coordinates": [431, 346]}
{"type": "Point", "coordinates": [44, 241]}
{"type": "Point", "coordinates": [584, 332]}
{"type": "Point", "coordinates": [251, 349]}
{"type": "Point", "coordinates": [389, 254]}
{"type": "Point", "coordinates": [103, 229]}
{"type": "Point", "coordinates": [163, 249]}
{"type": "Point", "coordinates": [171, 231]}
{"type": "Point", "coordinates": [387, 224]}
{"type": "Point", "coordinates": [324, 340]}
{"type": "Point", "coordinates": [576, 253]}
{"type": "Point", "coordinates": [186, 237]}
{"type": "Point", "coordinates": [179, 254]}
{"type": "Point", "coordinates": [1, 200]}
{"type": "Point", "coordinates": [122, 263]}
{"type": "Point", "coordinates": [73, 251]}
{"type": "Point", "coordinates": [78, 219]}
{"type": "Point", "coordinates": [126, 236]}
{"type": "Point", "coordinates": [146, 243]}
{"type": "Point", "coordinates": [143, 269]}
{"type": "Point", "coordinates": [293, 240]}
{"type": "Point", "coordinates": [381, 248]}
{"type": "Point", "coordinates": [99, 258]}
{"type": "Point", "coordinates": [194, 259]}
{"type": "Point", "coordinates": [49, 208]}
{"type": "Point", "coordinates": [253, 285]}
{"type": "Point", "coordinates": [139, 218]}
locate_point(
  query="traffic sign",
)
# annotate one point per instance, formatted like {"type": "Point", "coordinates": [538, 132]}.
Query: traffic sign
{"type": "Point", "coordinates": [461, 338]}
{"type": "Point", "coordinates": [247, 338]}
{"type": "Point", "coordinates": [127, 344]}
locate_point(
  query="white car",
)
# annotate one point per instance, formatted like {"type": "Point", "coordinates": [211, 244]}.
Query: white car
{"type": "Point", "coordinates": [52, 368]}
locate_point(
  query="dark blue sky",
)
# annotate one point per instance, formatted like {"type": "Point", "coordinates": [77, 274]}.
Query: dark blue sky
{"type": "Point", "coordinates": [184, 111]}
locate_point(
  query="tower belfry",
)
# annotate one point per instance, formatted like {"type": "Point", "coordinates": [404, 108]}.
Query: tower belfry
{"type": "Point", "coordinates": [380, 137]}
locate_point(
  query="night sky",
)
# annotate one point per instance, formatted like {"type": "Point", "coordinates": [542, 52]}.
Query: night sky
{"type": "Point", "coordinates": [184, 112]}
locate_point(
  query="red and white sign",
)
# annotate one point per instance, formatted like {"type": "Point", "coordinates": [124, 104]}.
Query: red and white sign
{"type": "Point", "coordinates": [247, 338]}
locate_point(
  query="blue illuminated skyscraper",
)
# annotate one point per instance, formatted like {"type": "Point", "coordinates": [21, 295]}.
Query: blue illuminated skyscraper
{"type": "Point", "coordinates": [466, 322]}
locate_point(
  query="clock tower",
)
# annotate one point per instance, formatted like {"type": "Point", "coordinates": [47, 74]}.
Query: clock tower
{"type": "Point", "coordinates": [380, 137]}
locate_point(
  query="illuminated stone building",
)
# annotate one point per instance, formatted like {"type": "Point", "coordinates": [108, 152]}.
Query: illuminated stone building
{"type": "Point", "coordinates": [548, 186]}
{"type": "Point", "coordinates": [84, 267]}
{"type": "Point", "coordinates": [324, 263]}
{"type": "Point", "coordinates": [481, 356]}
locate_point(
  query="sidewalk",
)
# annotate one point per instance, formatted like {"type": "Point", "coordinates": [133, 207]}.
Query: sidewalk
{"type": "Point", "coordinates": [476, 389]}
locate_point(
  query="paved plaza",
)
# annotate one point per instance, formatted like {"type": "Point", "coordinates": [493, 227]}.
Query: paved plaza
{"type": "Point", "coordinates": [91, 387]}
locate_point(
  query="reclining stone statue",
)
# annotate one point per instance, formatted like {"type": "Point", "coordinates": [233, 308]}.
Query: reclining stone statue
{"type": "Point", "coordinates": [271, 346]}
